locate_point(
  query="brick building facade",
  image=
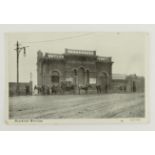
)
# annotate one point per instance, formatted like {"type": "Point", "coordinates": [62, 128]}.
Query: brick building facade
{"type": "Point", "coordinates": [79, 67]}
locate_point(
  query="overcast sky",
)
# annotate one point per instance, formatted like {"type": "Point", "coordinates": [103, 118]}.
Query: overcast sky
{"type": "Point", "coordinates": [126, 49]}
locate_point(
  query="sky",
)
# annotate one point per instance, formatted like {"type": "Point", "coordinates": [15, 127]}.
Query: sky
{"type": "Point", "coordinates": [127, 49]}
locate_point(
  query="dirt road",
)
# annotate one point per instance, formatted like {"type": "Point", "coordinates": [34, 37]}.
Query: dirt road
{"type": "Point", "coordinates": [77, 106]}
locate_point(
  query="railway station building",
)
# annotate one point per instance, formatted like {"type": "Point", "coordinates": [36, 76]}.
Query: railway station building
{"type": "Point", "coordinates": [79, 67]}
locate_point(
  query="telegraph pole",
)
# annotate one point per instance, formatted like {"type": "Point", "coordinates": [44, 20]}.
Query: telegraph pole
{"type": "Point", "coordinates": [18, 50]}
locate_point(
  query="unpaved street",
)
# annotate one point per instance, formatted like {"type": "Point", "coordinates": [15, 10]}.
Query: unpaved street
{"type": "Point", "coordinates": [77, 106]}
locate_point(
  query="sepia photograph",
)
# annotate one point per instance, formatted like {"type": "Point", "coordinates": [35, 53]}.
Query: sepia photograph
{"type": "Point", "coordinates": [76, 76]}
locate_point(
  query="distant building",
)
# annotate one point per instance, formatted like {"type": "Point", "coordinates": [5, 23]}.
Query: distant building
{"type": "Point", "coordinates": [136, 83]}
{"type": "Point", "coordinates": [119, 83]}
{"type": "Point", "coordinates": [127, 83]}
{"type": "Point", "coordinates": [79, 67]}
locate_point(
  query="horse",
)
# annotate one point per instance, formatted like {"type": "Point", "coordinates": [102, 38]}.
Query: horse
{"type": "Point", "coordinates": [54, 89]}
{"type": "Point", "coordinates": [100, 88]}
{"type": "Point", "coordinates": [85, 88]}
{"type": "Point", "coordinates": [67, 87]}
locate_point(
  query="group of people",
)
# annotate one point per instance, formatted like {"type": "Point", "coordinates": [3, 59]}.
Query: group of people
{"type": "Point", "coordinates": [64, 87]}
{"type": "Point", "coordinates": [122, 88]}
{"type": "Point", "coordinates": [46, 90]}
{"type": "Point", "coordinates": [54, 89]}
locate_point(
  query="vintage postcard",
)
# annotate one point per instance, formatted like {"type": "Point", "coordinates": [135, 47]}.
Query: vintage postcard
{"type": "Point", "coordinates": [77, 77]}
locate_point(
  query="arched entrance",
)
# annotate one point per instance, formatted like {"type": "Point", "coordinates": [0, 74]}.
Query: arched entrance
{"type": "Point", "coordinates": [103, 81]}
{"type": "Point", "coordinates": [55, 78]}
{"type": "Point", "coordinates": [81, 76]}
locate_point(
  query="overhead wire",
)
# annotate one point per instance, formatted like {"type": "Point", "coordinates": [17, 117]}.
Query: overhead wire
{"type": "Point", "coordinates": [60, 39]}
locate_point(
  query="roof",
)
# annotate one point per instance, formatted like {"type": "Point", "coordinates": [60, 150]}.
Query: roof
{"type": "Point", "coordinates": [119, 76]}
{"type": "Point", "coordinates": [74, 52]}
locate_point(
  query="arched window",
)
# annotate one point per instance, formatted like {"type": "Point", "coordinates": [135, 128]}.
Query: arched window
{"type": "Point", "coordinates": [55, 77]}
{"type": "Point", "coordinates": [81, 76]}
{"type": "Point", "coordinates": [75, 72]}
{"type": "Point", "coordinates": [47, 68]}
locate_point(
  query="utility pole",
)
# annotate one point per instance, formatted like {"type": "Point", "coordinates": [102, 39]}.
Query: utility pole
{"type": "Point", "coordinates": [18, 50]}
